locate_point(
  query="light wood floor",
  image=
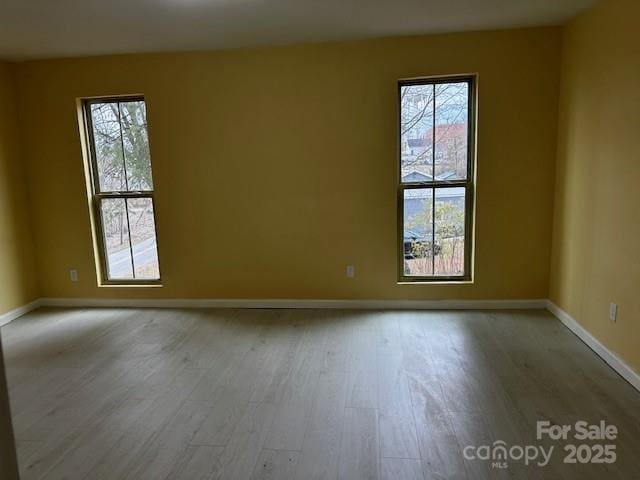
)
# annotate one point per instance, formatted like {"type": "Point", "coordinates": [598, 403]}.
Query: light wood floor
{"type": "Point", "coordinates": [308, 394]}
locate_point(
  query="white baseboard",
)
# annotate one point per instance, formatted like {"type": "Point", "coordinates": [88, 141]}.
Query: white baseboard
{"type": "Point", "coordinates": [18, 312]}
{"type": "Point", "coordinates": [295, 303]}
{"type": "Point", "coordinates": [615, 362]}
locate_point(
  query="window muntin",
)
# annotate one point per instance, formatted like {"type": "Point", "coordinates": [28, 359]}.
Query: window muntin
{"type": "Point", "coordinates": [435, 188]}
{"type": "Point", "coordinates": [122, 188]}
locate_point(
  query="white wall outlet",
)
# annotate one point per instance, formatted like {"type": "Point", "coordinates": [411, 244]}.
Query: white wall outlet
{"type": "Point", "coordinates": [351, 271]}
{"type": "Point", "coordinates": [73, 275]}
{"type": "Point", "coordinates": [613, 311]}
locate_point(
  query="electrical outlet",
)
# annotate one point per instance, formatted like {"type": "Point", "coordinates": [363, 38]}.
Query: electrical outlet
{"type": "Point", "coordinates": [351, 271]}
{"type": "Point", "coordinates": [613, 311]}
{"type": "Point", "coordinates": [73, 275]}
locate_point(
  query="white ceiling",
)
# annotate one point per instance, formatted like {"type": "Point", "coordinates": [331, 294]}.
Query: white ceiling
{"type": "Point", "coordinates": [64, 28]}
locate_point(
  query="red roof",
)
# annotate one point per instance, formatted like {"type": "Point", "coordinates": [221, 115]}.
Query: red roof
{"type": "Point", "coordinates": [447, 131]}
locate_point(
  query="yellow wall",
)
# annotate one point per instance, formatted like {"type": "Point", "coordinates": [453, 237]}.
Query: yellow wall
{"type": "Point", "coordinates": [596, 241]}
{"type": "Point", "coordinates": [17, 276]}
{"type": "Point", "coordinates": [275, 168]}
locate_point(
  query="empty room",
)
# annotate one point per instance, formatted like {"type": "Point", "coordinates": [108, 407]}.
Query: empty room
{"type": "Point", "coordinates": [298, 239]}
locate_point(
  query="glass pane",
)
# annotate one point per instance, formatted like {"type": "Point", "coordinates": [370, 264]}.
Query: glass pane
{"type": "Point", "coordinates": [116, 238]}
{"type": "Point", "coordinates": [452, 115]}
{"type": "Point", "coordinates": [143, 238]}
{"type": "Point", "coordinates": [136, 145]}
{"type": "Point", "coordinates": [108, 146]}
{"type": "Point", "coordinates": [416, 133]}
{"type": "Point", "coordinates": [418, 231]}
{"type": "Point", "coordinates": [449, 249]}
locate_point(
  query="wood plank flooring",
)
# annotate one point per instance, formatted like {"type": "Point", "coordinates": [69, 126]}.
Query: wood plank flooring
{"type": "Point", "coordinates": [302, 394]}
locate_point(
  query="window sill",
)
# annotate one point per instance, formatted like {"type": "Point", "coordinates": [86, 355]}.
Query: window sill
{"type": "Point", "coordinates": [435, 282]}
{"type": "Point", "coordinates": [129, 285]}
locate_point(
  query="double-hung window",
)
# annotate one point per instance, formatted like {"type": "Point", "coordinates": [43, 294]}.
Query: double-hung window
{"type": "Point", "coordinates": [436, 178]}
{"type": "Point", "coordinates": [122, 190]}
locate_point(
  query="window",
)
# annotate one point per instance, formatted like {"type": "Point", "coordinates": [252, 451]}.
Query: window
{"type": "Point", "coordinates": [435, 188]}
{"type": "Point", "coordinates": [122, 190]}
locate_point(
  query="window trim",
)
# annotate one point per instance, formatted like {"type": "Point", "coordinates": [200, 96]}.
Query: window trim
{"type": "Point", "coordinates": [96, 196]}
{"type": "Point", "coordinates": [468, 183]}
